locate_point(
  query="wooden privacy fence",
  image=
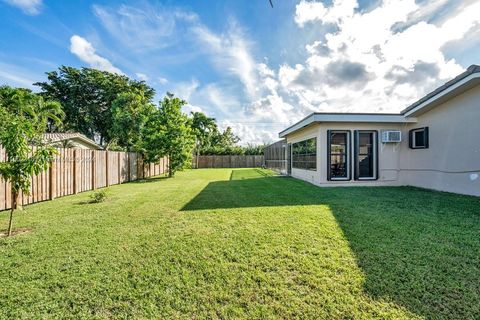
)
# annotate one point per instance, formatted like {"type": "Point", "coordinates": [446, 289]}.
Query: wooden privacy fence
{"type": "Point", "coordinates": [228, 161]}
{"type": "Point", "coordinates": [77, 170]}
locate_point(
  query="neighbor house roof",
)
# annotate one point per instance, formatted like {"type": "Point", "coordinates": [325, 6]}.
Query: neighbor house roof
{"type": "Point", "coordinates": [61, 137]}
{"type": "Point", "coordinates": [452, 88]}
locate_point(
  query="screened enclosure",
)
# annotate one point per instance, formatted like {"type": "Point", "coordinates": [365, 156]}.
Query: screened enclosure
{"type": "Point", "coordinates": [276, 156]}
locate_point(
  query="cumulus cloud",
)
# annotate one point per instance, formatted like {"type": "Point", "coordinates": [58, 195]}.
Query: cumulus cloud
{"type": "Point", "coordinates": [30, 7]}
{"type": "Point", "coordinates": [85, 51]}
{"type": "Point", "coordinates": [376, 60]}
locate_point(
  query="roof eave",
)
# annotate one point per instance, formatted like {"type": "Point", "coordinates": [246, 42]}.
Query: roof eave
{"type": "Point", "coordinates": [454, 90]}
{"type": "Point", "coordinates": [346, 118]}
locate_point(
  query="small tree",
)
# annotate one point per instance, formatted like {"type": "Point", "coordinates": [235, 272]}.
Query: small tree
{"type": "Point", "coordinates": [169, 133]}
{"type": "Point", "coordinates": [23, 118]}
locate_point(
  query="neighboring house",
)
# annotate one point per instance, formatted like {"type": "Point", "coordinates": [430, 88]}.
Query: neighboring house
{"type": "Point", "coordinates": [70, 140]}
{"type": "Point", "coordinates": [438, 143]}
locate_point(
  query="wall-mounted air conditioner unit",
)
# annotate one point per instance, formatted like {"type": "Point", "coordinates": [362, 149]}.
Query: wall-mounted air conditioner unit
{"type": "Point", "coordinates": [391, 136]}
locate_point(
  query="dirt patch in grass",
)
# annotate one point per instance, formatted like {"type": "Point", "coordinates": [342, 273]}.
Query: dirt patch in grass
{"type": "Point", "coordinates": [15, 232]}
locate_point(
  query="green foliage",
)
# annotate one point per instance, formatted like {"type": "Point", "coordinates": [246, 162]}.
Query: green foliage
{"type": "Point", "coordinates": [223, 151]}
{"type": "Point", "coordinates": [211, 141]}
{"type": "Point", "coordinates": [168, 132]}
{"type": "Point", "coordinates": [131, 111]}
{"type": "Point", "coordinates": [250, 149]}
{"type": "Point", "coordinates": [23, 119]}
{"type": "Point", "coordinates": [87, 97]}
{"type": "Point", "coordinates": [204, 129]}
{"type": "Point", "coordinates": [226, 139]}
{"type": "Point", "coordinates": [99, 196]}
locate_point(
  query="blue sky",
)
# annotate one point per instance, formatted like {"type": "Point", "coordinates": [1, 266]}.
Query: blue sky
{"type": "Point", "coordinates": [252, 67]}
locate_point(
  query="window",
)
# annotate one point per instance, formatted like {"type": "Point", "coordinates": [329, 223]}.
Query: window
{"type": "Point", "coordinates": [418, 138]}
{"type": "Point", "coordinates": [366, 155]}
{"type": "Point", "coordinates": [304, 154]}
{"type": "Point", "coordinates": [338, 155]}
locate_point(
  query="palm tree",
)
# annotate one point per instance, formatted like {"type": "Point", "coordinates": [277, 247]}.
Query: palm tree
{"type": "Point", "coordinates": [203, 127]}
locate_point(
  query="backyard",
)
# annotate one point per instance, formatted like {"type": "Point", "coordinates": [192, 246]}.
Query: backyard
{"type": "Point", "coordinates": [244, 243]}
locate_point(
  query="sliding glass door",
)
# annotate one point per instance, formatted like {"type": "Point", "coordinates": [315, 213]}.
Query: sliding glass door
{"type": "Point", "coordinates": [366, 160]}
{"type": "Point", "coordinates": [338, 155]}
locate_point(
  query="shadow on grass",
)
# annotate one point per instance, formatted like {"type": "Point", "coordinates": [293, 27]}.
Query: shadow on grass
{"type": "Point", "coordinates": [417, 248]}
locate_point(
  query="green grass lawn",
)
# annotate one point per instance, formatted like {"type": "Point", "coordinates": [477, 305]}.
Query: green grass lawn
{"type": "Point", "coordinates": [244, 243]}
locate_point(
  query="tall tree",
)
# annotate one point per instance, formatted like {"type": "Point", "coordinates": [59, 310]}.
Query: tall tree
{"type": "Point", "coordinates": [226, 139]}
{"type": "Point", "coordinates": [130, 112]}
{"type": "Point", "coordinates": [87, 96]}
{"type": "Point", "coordinates": [204, 128]}
{"type": "Point", "coordinates": [169, 133]}
{"type": "Point", "coordinates": [23, 119]}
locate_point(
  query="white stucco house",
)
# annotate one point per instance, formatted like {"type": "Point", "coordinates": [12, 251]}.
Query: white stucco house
{"type": "Point", "coordinates": [434, 143]}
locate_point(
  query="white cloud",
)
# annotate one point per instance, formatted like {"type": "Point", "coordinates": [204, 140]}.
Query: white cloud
{"type": "Point", "coordinates": [30, 7]}
{"type": "Point", "coordinates": [85, 51]}
{"type": "Point", "coordinates": [184, 90]}
{"type": "Point", "coordinates": [308, 11]}
{"type": "Point", "coordinates": [375, 59]}
{"type": "Point", "coordinates": [143, 27]}
{"type": "Point", "coordinates": [141, 76]}
{"type": "Point", "coordinates": [380, 60]}
{"type": "Point", "coordinates": [231, 52]}
{"type": "Point", "coordinates": [162, 81]}
{"type": "Point", "coordinates": [18, 76]}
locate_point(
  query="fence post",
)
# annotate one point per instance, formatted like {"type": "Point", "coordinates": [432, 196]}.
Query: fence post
{"type": "Point", "coordinates": [129, 165]}
{"type": "Point", "coordinates": [119, 169]}
{"type": "Point", "coordinates": [53, 179]}
{"type": "Point", "coordinates": [107, 168]}
{"type": "Point", "coordinates": [75, 173]}
{"type": "Point", "coordinates": [94, 171]}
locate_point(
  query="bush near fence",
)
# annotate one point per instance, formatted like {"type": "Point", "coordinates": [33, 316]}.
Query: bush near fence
{"type": "Point", "coordinates": [77, 170]}
{"type": "Point", "coordinates": [239, 161]}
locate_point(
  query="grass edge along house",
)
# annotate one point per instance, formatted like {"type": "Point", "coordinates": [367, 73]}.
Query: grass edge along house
{"type": "Point", "coordinates": [434, 143]}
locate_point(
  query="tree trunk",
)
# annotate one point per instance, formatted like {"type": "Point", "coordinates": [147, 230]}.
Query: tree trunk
{"type": "Point", "coordinates": [198, 153]}
{"type": "Point", "coordinates": [14, 206]}
{"type": "Point", "coordinates": [170, 171]}
{"type": "Point", "coordinates": [197, 149]}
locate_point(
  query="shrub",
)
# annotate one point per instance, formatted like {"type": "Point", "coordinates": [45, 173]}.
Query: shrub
{"type": "Point", "coordinates": [98, 196]}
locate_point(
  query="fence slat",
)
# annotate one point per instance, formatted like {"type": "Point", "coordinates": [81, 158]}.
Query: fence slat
{"type": "Point", "coordinates": [78, 170]}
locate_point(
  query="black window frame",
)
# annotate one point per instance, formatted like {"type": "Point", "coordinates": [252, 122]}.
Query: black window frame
{"type": "Point", "coordinates": [411, 138]}
{"type": "Point", "coordinates": [348, 156]}
{"type": "Point", "coordinates": [356, 148]}
{"type": "Point", "coordinates": [304, 164]}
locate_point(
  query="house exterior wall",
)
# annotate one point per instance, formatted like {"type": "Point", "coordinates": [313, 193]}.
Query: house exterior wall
{"type": "Point", "coordinates": [451, 163]}
{"type": "Point", "coordinates": [388, 154]}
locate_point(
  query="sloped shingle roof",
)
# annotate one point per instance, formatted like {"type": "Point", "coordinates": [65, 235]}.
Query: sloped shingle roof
{"type": "Point", "coordinates": [62, 136]}
{"type": "Point", "coordinates": [470, 70]}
